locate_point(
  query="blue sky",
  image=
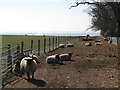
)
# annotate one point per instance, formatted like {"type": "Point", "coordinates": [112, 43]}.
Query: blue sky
{"type": "Point", "coordinates": [43, 16]}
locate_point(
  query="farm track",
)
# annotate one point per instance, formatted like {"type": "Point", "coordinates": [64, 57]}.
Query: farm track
{"type": "Point", "coordinates": [91, 67]}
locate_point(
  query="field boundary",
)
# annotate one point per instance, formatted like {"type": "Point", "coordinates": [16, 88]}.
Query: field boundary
{"type": "Point", "coordinates": [11, 55]}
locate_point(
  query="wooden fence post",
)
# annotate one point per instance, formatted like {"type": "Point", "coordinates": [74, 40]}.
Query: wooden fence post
{"type": "Point", "coordinates": [56, 42]}
{"type": "Point", "coordinates": [18, 51]}
{"type": "Point", "coordinates": [38, 47]}
{"type": "Point", "coordinates": [44, 45]}
{"type": "Point", "coordinates": [49, 44]}
{"type": "Point", "coordinates": [53, 44]}
{"type": "Point", "coordinates": [9, 60]}
{"type": "Point", "coordinates": [31, 45]}
{"type": "Point", "coordinates": [22, 45]}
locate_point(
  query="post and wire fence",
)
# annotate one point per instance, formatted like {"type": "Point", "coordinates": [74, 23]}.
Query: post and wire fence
{"type": "Point", "coordinates": [10, 55]}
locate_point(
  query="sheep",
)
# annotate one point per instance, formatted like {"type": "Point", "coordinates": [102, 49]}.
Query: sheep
{"type": "Point", "coordinates": [98, 44]}
{"type": "Point", "coordinates": [69, 45]}
{"type": "Point", "coordinates": [110, 41]}
{"type": "Point", "coordinates": [34, 57]}
{"type": "Point", "coordinates": [62, 46]}
{"type": "Point", "coordinates": [28, 65]}
{"type": "Point", "coordinates": [85, 39]}
{"type": "Point", "coordinates": [65, 57]}
{"type": "Point", "coordinates": [97, 40]}
{"type": "Point", "coordinates": [105, 39]}
{"type": "Point", "coordinates": [54, 59]}
{"type": "Point", "coordinates": [88, 44]}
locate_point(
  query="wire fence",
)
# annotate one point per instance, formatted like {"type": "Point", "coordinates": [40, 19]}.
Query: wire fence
{"type": "Point", "coordinates": [10, 55]}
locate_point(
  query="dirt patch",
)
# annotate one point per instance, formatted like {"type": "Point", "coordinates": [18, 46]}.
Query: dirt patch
{"type": "Point", "coordinates": [90, 67]}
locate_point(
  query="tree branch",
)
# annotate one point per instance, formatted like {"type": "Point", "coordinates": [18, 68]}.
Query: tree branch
{"type": "Point", "coordinates": [81, 3]}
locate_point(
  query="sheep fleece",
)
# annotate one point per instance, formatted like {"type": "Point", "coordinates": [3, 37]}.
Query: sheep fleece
{"type": "Point", "coordinates": [31, 67]}
{"type": "Point", "coordinates": [65, 57]}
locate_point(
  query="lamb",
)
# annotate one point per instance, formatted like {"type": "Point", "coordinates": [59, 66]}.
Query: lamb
{"type": "Point", "coordinates": [54, 59]}
{"type": "Point", "coordinates": [88, 44]}
{"type": "Point", "coordinates": [69, 45]}
{"type": "Point", "coordinates": [34, 57]}
{"type": "Point", "coordinates": [65, 57]}
{"type": "Point", "coordinates": [28, 65]}
{"type": "Point", "coordinates": [62, 46]}
{"type": "Point", "coordinates": [98, 44]}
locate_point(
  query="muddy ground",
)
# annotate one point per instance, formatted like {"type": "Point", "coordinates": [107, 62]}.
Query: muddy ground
{"type": "Point", "coordinates": [90, 67]}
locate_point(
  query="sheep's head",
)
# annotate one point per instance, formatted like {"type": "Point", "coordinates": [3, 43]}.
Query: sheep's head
{"type": "Point", "coordinates": [70, 54]}
{"type": "Point", "coordinates": [57, 56]}
{"type": "Point", "coordinates": [29, 60]}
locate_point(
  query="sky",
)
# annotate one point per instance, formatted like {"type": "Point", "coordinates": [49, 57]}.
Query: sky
{"type": "Point", "coordinates": [43, 16]}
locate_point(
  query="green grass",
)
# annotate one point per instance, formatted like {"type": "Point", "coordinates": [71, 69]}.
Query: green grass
{"type": "Point", "coordinates": [17, 39]}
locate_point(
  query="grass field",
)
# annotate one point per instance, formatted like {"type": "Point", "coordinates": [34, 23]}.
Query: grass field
{"type": "Point", "coordinates": [17, 39]}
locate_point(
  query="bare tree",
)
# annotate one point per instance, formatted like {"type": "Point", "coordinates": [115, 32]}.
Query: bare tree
{"type": "Point", "coordinates": [105, 17]}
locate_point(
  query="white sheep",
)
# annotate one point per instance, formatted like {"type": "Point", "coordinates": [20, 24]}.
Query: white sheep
{"type": "Point", "coordinates": [62, 46]}
{"type": "Point", "coordinates": [69, 45]}
{"type": "Point", "coordinates": [98, 44]}
{"type": "Point", "coordinates": [88, 44]}
{"type": "Point", "coordinates": [97, 40]}
{"type": "Point", "coordinates": [65, 57]}
{"type": "Point", "coordinates": [34, 57]}
{"type": "Point", "coordinates": [54, 59]}
{"type": "Point", "coordinates": [28, 65]}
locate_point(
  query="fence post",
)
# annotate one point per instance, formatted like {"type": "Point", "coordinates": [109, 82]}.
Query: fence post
{"type": "Point", "coordinates": [53, 44]}
{"type": "Point", "coordinates": [56, 42]}
{"type": "Point", "coordinates": [22, 45]}
{"type": "Point", "coordinates": [31, 45]}
{"type": "Point", "coordinates": [9, 60]}
{"type": "Point", "coordinates": [38, 47]}
{"type": "Point", "coordinates": [18, 51]}
{"type": "Point", "coordinates": [49, 43]}
{"type": "Point", "coordinates": [44, 45]}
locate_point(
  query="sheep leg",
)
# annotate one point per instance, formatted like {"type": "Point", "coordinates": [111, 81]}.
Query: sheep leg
{"type": "Point", "coordinates": [21, 74]}
{"type": "Point", "coordinates": [32, 75]}
{"type": "Point", "coordinates": [28, 75]}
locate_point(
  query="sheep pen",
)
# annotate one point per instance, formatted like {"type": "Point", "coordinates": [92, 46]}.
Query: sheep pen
{"type": "Point", "coordinates": [92, 67]}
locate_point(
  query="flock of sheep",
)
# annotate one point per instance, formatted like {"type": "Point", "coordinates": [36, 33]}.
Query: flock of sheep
{"type": "Point", "coordinates": [28, 64]}
{"type": "Point", "coordinates": [98, 42]}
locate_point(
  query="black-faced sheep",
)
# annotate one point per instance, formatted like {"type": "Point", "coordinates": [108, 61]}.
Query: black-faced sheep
{"type": "Point", "coordinates": [88, 44]}
{"type": "Point", "coordinates": [69, 45]}
{"type": "Point", "coordinates": [62, 46]}
{"type": "Point", "coordinates": [54, 59]}
{"type": "Point", "coordinates": [28, 65]}
{"type": "Point", "coordinates": [34, 57]}
{"type": "Point", "coordinates": [65, 57]}
{"type": "Point", "coordinates": [98, 44]}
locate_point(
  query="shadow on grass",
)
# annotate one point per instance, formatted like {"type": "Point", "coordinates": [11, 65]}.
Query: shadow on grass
{"type": "Point", "coordinates": [37, 82]}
